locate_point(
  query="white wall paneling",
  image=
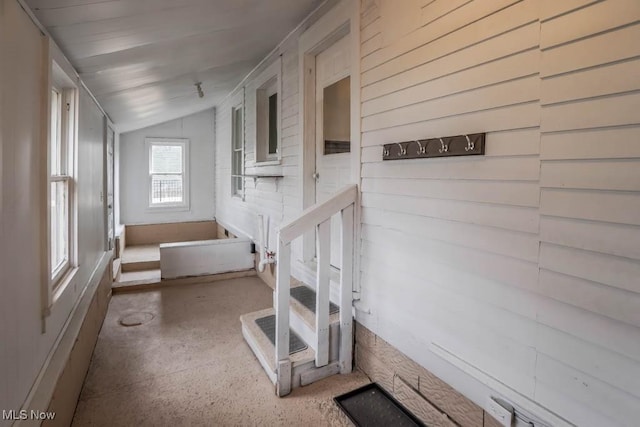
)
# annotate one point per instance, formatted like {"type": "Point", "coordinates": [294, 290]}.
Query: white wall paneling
{"type": "Point", "coordinates": [186, 259]}
{"type": "Point", "coordinates": [29, 340]}
{"type": "Point", "coordinates": [134, 182]}
{"type": "Point", "coordinates": [505, 257]}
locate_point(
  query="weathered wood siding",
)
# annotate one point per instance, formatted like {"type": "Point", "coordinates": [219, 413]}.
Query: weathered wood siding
{"type": "Point", "coordinates": [523, 264]}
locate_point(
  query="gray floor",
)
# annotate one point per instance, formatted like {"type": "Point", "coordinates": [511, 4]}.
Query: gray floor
{"type": "Point", "coordinates": [189, 365]}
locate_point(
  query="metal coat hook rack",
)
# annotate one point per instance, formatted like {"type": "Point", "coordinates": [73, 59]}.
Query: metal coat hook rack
{"type": "Point", "coordinates": [446, 146]}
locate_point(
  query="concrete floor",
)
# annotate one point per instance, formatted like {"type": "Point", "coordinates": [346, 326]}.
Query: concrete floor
{"type": "Point", "coordinates": [189, 365]}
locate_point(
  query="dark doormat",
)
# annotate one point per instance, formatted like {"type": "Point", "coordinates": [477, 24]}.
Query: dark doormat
{"type": "Point", "coordinates": [268, 326]}
{"type": "Point", "coordinates": [371, 406]}
{"type": "Point", "coordinates": [307, 297]}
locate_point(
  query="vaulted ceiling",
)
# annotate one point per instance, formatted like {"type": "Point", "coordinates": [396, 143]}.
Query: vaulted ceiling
{"type": "Point", "coordinates": [142, 58]}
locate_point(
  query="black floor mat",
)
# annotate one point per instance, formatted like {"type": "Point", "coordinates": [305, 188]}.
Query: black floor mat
{"type": "Point", "coordinates": [268, 326]}
{"type": "Point", "coordinates": [371, 406]}
{"type": "Point", "coordinates": [307, 297]}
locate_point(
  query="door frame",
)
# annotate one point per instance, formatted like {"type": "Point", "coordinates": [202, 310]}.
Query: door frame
{"type": "Point", "coordinates": [107, 129]}
{"type": "Point", "coordinates": [343, 19]}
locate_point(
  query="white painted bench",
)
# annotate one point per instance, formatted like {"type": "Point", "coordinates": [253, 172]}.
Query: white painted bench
{"type": "Point", "coordinates": [204, 257]}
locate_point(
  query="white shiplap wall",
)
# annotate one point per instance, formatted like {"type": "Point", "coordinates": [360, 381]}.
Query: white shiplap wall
{"type": "Point", "coordinates": [524, 264]}
{"type": "Point", "coordinates": [589, 339]}
{"type": "Point", "coordinates": [277, 199]}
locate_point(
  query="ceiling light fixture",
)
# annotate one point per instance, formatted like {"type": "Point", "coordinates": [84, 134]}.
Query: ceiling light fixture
{"type": "Point", "coordinates": [199, 87]}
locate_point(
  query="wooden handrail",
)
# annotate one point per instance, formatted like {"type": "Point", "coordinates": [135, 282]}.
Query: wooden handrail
{"type": "Point", "coordinates": [317, 217]}
{"type": "Point", "coordinates": [318, 213]}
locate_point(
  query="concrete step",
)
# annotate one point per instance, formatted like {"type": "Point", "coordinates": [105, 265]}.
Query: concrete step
{"type": "Point", "coordinates": [116, 269]}
{"type": "Point", "coordinates": [140, 258]}
{"type": "Point", "coordinates": [128, 267]}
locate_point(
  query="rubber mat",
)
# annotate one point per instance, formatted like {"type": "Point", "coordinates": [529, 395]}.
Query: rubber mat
{"type": "Point", "coordinates": [268, 326]}
{"type": "Point", "coordinates": [371, 406]}
{"type": "Point", "coordinates": [307, 297]}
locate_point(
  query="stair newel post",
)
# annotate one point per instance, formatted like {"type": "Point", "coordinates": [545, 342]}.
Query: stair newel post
{"type": "Point", "coordinates": [346, 289]}
{"type": "Point", "coordinates": [283, 284]}
{"type": "Point", "coordinates": [323, 253]}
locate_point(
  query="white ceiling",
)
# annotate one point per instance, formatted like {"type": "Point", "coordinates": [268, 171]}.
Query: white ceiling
{"type": "Point", "coordinates": [141, 58]}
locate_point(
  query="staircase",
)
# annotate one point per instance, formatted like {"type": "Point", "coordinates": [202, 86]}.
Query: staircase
{"type": "Point", "coordinates": [304, 316]}
{"type": "Point", "coordinates": [140, 264]}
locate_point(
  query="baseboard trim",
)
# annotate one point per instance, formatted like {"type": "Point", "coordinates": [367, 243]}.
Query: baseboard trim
{"type": "Point", "coordinates": [42, 391]}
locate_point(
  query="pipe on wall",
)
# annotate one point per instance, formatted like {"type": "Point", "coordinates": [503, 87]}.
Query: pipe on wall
{"type": "Point", "coordinates": [266, 257]}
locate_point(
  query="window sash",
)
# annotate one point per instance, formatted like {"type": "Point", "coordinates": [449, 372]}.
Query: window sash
{"type": "Point", "coordinates": [60, 227]}
{"type": "Point", "coordinates": [272, 113]}
{"type": "Point", "coordinates": [61, 142]}
{"type": "Point", "coordinates": [268, 105]}
{"type": "Point", "coordinates": [237, 151]}
{"type": "Point", "coordinates": [174, 193]}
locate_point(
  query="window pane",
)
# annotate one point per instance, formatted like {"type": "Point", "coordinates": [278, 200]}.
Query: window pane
{"type": "Point", "coordinates": [237, 163]}
{"type": "Point", "coordinates": [166, 159]}
{"type": "Point", "coordinates": [237, 128]}
{"type": "Point", "coordinates": [336, 111]}
{"type": "Point", "coordinates": [166, 189]}
{"type": "Point", "coordinates": [56, 128]}
{"type": "Point", "coordinates": [59, 225]}
{"type": "Point", "coordinates": [273, 123]}
{"type": "Point", "coordinates": [237, 184]}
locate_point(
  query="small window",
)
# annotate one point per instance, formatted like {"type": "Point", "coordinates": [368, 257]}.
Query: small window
{"type": "Point", "coordinates": [237, 152]}
{"type": "Point", "coordinates": [267, 122]}
{"type": "Point", "coordinates": [168, 176]}
{"type": "Point", "coordinates": [337, 117]}
{"type": "Point", "coordinates": [61, 203]}
{"type": "Point", "coordinates": [273, 125]}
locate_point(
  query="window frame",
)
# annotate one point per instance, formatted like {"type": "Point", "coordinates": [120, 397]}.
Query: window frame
{"type": "Point", "coordinates": [267, 84]}
{"type": "Point", "coordinates": [170, 206]}
{"type": "Point", "coordinates": [237, 175]}
{"type": "Point", "coordinates": [66, 129]}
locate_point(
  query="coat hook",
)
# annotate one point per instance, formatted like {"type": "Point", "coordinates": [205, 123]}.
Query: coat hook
{"type": "Point", "coordinates": [443, 147]}
{"type": "Point", "coordinates": [470, 145]}
{"type": "Point", "coordinates": [403, 149]}
{"type": "Point", "coordinates": [422, 149]}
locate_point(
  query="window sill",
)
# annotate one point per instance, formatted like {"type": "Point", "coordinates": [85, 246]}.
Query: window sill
{"type": "Point", "coordinates": [161, 209]}
{"type": "Point", "coordinates": [266, 163]}
{"type": "Point", "coordinates": [63, 284]}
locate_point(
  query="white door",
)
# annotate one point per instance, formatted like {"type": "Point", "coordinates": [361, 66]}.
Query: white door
{"type": "Point", "coordinates": [333, 129]}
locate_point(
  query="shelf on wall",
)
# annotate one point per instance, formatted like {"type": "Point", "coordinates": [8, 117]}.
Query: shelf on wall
{"type": "Point", "coordinates": [259, 175]}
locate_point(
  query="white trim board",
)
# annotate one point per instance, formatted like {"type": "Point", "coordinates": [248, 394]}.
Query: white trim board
{"type": "Point", "coordinates": [42, 390]}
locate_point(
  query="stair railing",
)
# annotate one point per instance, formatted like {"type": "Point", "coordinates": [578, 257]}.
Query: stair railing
{"type": "Point", "coordinates": [317, 217]}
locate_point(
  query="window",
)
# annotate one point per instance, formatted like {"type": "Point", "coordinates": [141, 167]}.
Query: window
{"type": "Point", "coordinates": [61, 144]}
{"type": "Point", "coordinates": [237, 151]}
{"type": "Point", "coordinates": [268, 105]}
{"type": "Point", "coordinates": [336, 111]}
{"type": "Point", "coordinates": [168, 173]}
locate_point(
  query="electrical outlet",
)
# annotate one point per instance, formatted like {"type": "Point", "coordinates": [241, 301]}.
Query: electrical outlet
{"type": "Point", "coordinates": [500, 410]}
